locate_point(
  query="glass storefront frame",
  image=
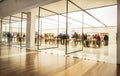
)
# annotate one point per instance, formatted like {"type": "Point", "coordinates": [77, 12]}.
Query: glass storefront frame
{"type": "Point", "coordinates": [10, 28]}
{"type": "Point", "coordinates": [66, 45]}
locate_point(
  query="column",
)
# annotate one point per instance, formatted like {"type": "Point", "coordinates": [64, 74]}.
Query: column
{"type": "Point", "coordinates": [0, 31]}
{"type": "Point", "coordinates": [30, 33]}
{"type": "Point", "coordinates": [118, 32]}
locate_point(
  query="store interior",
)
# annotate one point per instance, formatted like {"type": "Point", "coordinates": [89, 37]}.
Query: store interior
{"type": "Point", "coordinates": [70, 30]}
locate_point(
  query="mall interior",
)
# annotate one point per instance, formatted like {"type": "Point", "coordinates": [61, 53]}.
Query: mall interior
{"type": "Point", "coordinates": [59, 38]}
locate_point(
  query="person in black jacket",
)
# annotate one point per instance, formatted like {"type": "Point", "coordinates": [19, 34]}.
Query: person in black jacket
{"type": "Point", "coordinates": [106, 38]}
{"type": "Point", "coordinates": [75, 36]}
{"type": "Point", "coordinates": [64, 37]}
{"type": "Point", "coordinates": [60, 38]}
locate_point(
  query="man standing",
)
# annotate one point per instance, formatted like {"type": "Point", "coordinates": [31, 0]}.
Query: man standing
{"type": "Point", "coordinates": [106, 38]}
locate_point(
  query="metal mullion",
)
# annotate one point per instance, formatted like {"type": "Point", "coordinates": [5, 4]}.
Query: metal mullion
{"type": "Point", "coordinates": [82, 27]}
{"type": "Point", "coordinates": [66, 25]}
{"type": "Point", "coordinates": [41, 31]}
{"type": "Point", "coordinates": [38, 28]}
{"type": "Point", "coordinates": [49, 10]}
{"type": "Point", "coordinates": [9, 30]}
{"type": "Point", "coordinates": [9, 24]}
{"type": "Point", "coordinates": [21, 28]}
{"type": "Point", "coordinates": [41, 19]}
{"type": "Point", "coordinates": [58, 32]}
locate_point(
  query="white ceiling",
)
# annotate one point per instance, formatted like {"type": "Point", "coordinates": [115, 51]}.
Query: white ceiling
{"type": "Point", "coordinates": [10, 7]}
{"type": "Point", "coordinates": [60, 6]}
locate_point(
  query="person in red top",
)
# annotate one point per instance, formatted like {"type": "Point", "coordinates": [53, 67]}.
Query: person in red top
{"type": "Point", "coordinates": [98, 40]}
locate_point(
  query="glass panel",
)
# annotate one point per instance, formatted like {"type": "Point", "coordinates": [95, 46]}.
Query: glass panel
{"type": "Point", "coordinates": [74, 30]}
{"type": "Point", "coordinates": [15, 31]}
{"type": "Point", "coordinates": [93, 22]}
{"type": "Point", "coordinates": [5, 30]}
{"type": "Point", "coordinates": [52, 27]}
{"type": "Point", "coordinates": [100, 40]}
{"type": "Point", "coordinates": [108, 15]}
{"type": "Point", "coordinates": [18, 30]}
{"type": "Point", "coordinates": [62, 31]}
{"type": "Point", "coordinates": [24, 24]}
{"type": "Point", "coordinates": [48, 31]}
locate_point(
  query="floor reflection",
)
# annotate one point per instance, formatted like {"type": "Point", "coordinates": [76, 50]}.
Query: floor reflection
{"type": "Point", "coordinates": [21, 62]}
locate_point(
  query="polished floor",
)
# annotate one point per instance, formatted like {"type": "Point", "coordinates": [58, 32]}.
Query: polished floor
{"type": "Point", "coordinates": [21, 62]}
{"type": "Point", "coordinates": [104, 53]}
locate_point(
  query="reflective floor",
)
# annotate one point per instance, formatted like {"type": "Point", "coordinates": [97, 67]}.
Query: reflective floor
{"type": "Point", "coordinates": [104, 53]}
{"type": "Point", "coordinates": [21, 62]}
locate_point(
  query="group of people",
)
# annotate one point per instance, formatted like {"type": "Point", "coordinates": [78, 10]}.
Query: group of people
{"type": "Point", "coordinates": [97, 40]}
{"type": "Point", "coordinates": [14, 37]}
{"type": "Point", "coordinates": [20, 38]}
{"type": "Point", "coordinates": [84, 39]}
{"type": "Point", "coordinates": [62, 38]}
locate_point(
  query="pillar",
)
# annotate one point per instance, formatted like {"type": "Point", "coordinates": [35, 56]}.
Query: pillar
{"type": "Point", "coordinates": [30, 30]}
{"type": "Point", "coordinates": [0, 31]}
{"type": "Point", "coordinates": [118, 32]}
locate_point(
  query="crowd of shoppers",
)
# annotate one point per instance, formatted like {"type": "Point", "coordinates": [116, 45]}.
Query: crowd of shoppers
{"type": "Point", "coordinates": [77, 39]}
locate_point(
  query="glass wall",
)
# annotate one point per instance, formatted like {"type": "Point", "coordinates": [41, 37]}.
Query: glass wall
{"type": "Point", "coordinates": [5, 30]}
{"type": "Point", "coordinates": [14, 30]}
{"type": "Point", "coordinates": [83, 31]}
{"type": "Point", "coordinates": [74, 29]}
{"type": "Point", "coordinates": [65, 28]}
{"type": "Point", "coordinates": [23, 29]}
{"type": "Point", "coordinates": [47, 36]}
{"type": "Point", "coordinates": [58, 30]}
